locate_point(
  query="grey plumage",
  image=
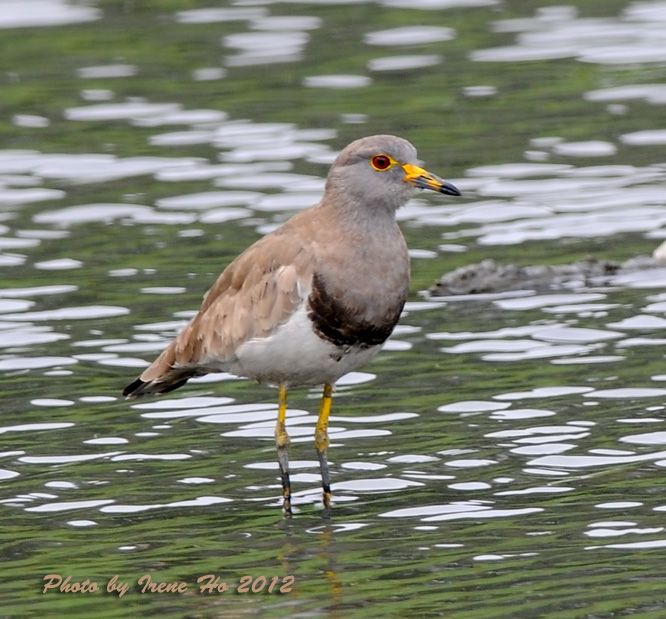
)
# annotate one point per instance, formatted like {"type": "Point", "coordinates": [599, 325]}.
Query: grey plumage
{"type": "Point", "coordinates": [313, 300]}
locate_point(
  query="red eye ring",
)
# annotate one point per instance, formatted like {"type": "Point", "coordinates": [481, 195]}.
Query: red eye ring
{"type": "Point", "coordinates": [381, 162]}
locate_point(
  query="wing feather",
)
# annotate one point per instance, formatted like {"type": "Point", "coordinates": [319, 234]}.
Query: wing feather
{"type": "Point", "coordinates": [254, 295]}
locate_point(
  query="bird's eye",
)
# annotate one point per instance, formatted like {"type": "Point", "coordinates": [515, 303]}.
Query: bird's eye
{"type": "Point", "coordinates": [381, 162]}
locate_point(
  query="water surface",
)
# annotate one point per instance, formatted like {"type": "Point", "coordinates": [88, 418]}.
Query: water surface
{"type": "Point", "coordinates": [502, 457]}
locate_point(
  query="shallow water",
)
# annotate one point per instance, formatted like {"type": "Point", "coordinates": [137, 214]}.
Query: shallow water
{"type": "Point", "coordinates": [501, 457]}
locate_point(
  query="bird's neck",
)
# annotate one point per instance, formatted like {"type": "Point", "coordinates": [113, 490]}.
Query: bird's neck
{"type": "Point", "coordinates": [355, 212]}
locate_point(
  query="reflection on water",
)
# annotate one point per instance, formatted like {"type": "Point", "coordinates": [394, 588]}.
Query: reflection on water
{"type": "Point", "coordinates": [31, 13]}
{"type": "Point", "coordinates": [637, 36]}
{"type": "Point", "coordinates": [497, 446]}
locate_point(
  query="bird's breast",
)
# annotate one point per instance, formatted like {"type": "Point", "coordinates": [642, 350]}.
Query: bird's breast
{"type": "Point", "coordinates": [357, 295]}
{"type": "Point", "coordinates": [295, 355]}
{"type": "Point", "coordinates": [359, 319]}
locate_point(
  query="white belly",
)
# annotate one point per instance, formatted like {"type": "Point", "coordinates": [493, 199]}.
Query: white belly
{"type": "Point", "coordinates": [295, 355]}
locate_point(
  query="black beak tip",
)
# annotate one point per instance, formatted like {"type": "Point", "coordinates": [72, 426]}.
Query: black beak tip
{"type": "Point", "coordinates": [450, 189]}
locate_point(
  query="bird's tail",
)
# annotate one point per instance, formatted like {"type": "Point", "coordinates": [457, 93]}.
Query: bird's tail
{"type": "Point", "coordinates": [164, 375]}
{"type": "Point", "coordinates": [178, 362]}
{"type": "Point", "coordinates": [168, 382]}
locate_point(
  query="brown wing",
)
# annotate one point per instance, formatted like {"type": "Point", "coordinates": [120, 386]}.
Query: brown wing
{"type": "Point", "coordinates": [255, 294]}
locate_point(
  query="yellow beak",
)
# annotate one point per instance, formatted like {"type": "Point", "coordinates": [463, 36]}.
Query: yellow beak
{"type": "Point", "coordinates": [424, 180]}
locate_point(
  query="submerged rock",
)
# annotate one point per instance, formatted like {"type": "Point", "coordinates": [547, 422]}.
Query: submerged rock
{"type": "Point", "coordinates": [490, 276]}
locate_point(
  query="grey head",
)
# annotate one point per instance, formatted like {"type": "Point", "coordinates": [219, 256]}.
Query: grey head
{"type": "Point", "coordinates": [380, 173]}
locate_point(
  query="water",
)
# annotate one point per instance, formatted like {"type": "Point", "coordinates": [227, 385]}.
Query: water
{"type": "Point", "coordinates": [502, 457]}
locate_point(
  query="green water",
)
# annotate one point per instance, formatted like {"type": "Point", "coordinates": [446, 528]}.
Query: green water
{"type": "Point", "coordinates": [436, 512]}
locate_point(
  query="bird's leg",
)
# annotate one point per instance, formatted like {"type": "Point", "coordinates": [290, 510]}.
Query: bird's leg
{"type": "Point", "coordinates": [282, 441]}
{"type": "Point", "coordinates": [322, 441]}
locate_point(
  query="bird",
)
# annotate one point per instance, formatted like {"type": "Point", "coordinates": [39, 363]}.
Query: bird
{"type": "Point", "coordinates": [312, 300]}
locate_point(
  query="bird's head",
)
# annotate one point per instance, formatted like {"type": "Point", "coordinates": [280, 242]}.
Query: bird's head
{"type": "Point", "coordinates": [381, 172]}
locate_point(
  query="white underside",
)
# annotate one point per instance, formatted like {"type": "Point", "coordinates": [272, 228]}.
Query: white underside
{"type": "Point", "coordinates": [294, 355]}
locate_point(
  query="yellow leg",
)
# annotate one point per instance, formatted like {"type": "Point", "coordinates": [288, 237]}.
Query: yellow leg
{"type": "Point", "coordinates": [322, 442]}
{"type": "Point", "coordinates": [282, 441]}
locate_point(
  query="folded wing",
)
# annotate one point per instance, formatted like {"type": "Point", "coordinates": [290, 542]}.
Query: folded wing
{"type": "Point", "coordinates": [254, 295]}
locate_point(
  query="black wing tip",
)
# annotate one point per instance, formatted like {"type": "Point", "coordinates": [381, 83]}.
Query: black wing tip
{"type": "Point", "coordinates": [134, 389]}
{"type": "Point", "coordinates": [140, 388]}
